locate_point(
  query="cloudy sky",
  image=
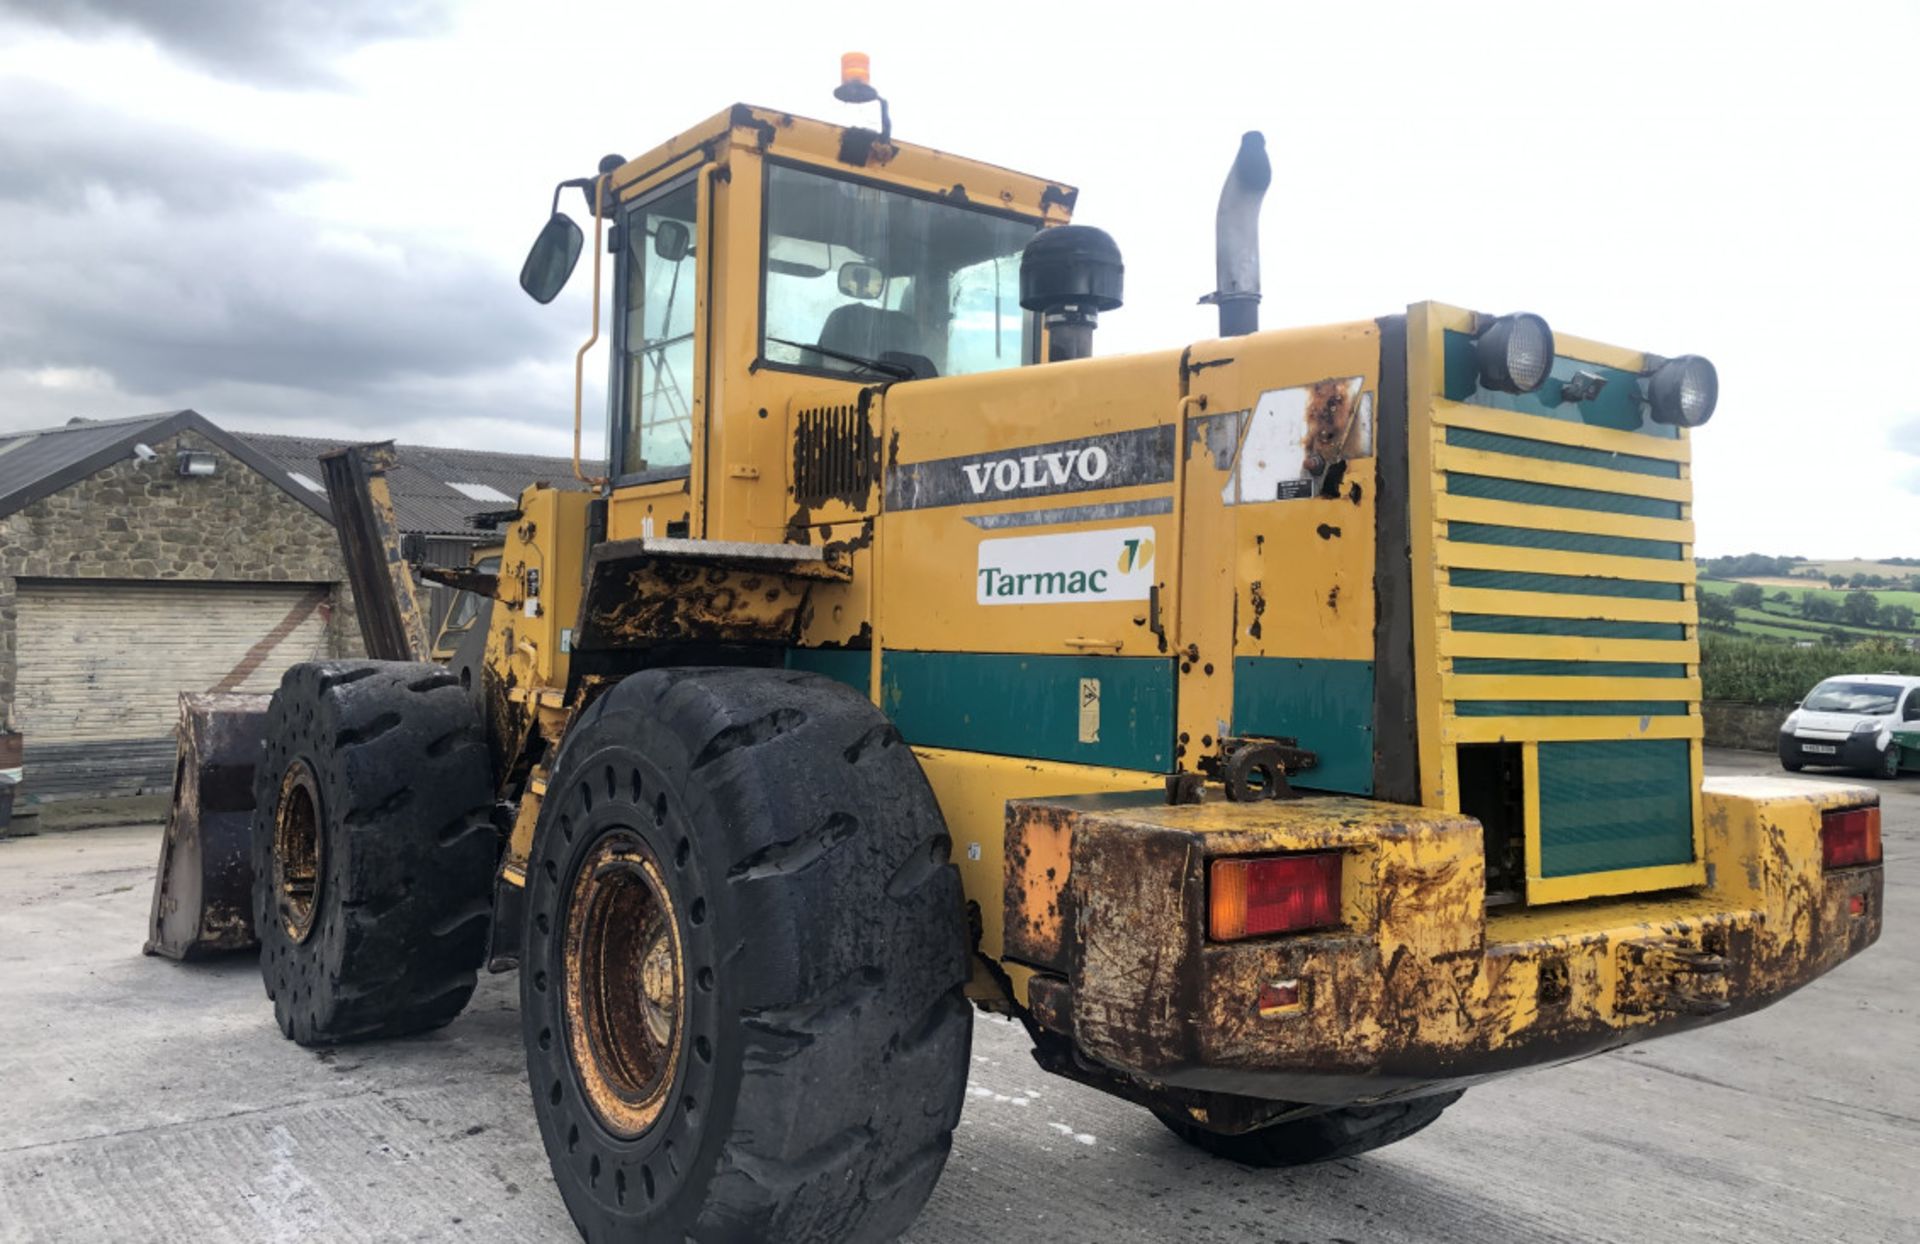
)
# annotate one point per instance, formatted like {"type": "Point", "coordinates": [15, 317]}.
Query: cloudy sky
{"type": "Point", "coordinates": [309, 214]}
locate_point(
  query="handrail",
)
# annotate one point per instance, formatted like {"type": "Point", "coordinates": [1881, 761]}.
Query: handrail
{"type": "Point", "coordinates": [594, 482]}
{"type": "Point", "coordinates": [1176, 588]}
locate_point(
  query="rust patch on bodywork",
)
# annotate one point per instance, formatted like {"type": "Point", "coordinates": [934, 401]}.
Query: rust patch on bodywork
{"type": "Point", "coordinates": [1329, 420]}
{"type": "Point", "coordinates": [649, 591]}
{"type": "Point", "coordinates": [1039, 902]}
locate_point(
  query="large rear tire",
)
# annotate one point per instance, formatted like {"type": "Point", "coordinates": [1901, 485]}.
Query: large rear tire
{"type": "Point", "coordinates": [1343, 1133]}
{"type": "Point", "coordinates": [373, 850]}
{"type": "Point", "coordinates": [741, 990]}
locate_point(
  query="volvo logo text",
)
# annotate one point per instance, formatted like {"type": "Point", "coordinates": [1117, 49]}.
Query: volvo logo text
{"type": "Point", "coordinates": [1049, 470]}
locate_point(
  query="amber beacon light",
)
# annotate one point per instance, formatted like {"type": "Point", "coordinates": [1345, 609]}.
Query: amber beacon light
{"type": "Point", "coordinates": [856, 79]}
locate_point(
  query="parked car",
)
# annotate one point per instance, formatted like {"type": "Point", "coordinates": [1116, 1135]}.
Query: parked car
{"type": "Point", "coordinates": [1850, 721]}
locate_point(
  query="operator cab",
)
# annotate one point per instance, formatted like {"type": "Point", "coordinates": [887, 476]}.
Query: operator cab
{"type": "Point", "coordinates": [857, 280]}
{"type": "Point", "coordinates": [761, 266]}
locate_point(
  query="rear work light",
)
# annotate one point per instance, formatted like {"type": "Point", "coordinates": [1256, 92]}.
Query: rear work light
{"type": "Point", "coordinates": [1280, 894]}
{"type": "Point", "coordinates": [1850, 836]}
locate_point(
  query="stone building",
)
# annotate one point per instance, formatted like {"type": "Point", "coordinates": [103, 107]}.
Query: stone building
{"type": "Point", "coordinates": [144, 557]}
{"type": "Point", "coordinates": [140, 558]}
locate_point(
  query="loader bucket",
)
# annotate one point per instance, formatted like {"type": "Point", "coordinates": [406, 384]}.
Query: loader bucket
{"type": "Point", "coordinates": [203, 897]}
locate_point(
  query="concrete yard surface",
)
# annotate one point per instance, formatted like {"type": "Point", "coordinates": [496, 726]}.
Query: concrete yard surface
{"type": "Point", "coordinates": [149, 1100]}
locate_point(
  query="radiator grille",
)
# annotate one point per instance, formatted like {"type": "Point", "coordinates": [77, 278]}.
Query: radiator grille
{"type": "Point", "coordinates": [1561, 551]}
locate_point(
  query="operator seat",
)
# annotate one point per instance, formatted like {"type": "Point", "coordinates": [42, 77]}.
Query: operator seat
{"type": "Point", "coordinates": [876, 333]}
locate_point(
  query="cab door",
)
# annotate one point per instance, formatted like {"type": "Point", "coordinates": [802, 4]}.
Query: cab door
{"type": "Point", "coordinates": [657, 370]}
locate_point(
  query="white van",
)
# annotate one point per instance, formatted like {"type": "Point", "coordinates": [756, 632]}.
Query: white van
{"type": "Point", "coordinates": [1849, 721]}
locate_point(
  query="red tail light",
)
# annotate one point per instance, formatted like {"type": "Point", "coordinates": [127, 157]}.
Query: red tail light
{"type": "Point", "coordinates": [1850, 836]}
{"type": "Point", "coordinates": [1281, 894]}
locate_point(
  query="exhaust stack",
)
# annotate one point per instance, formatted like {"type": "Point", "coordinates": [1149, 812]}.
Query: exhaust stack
{"type": "Point", "coordinates": [1237, 238]}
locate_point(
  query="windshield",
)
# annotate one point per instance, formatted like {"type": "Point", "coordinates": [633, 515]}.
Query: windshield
{"type": "Point", "coordinates": [855, 272]}
{"type": "Point", "coordinates": [1839, 696]}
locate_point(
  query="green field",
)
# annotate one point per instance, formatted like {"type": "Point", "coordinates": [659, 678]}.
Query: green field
{"type": "Point", "coordinates": [1888, 596]}
{"type": "Point", "coordinates": [1780, 621]}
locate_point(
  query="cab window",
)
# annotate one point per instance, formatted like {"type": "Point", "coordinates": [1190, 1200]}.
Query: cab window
{"type": "Point", "coordinates": [466, 606]}
{"type": "Point", "coordinates": [654, 362]}
{"type": "Point", "coordinates": [866, 281]}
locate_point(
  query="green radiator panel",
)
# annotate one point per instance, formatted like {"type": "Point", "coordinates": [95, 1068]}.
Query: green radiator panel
{"type": "Point", "coordinates": [1552, 451]}
{"type": "Point", "coordinates": [1013, 704]}
{"type": "Point", "coordinates": [1596, 628]}
{"type": "Point", "coordinates": [1617, 804]}
{"type": "Point", "coordinates": [1526, 492]}
{"type": "Point", "coordinates": [1570, 708]}
{"type": "Point", "coordinates": [1327, 705]}
{"type": "Point", "coordinates": [1561, 541]}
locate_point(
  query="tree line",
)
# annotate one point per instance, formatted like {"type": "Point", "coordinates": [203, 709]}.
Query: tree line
{"type": "Point", "coordinates": [1762, 566]}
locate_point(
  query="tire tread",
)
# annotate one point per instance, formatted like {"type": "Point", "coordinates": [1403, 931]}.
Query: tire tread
{"type": "Point", "coordinates": [405, 902]}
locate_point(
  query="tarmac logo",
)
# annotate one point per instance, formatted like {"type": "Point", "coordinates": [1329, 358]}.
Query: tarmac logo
{"type": "Point", "coordinates": [1069, 568]}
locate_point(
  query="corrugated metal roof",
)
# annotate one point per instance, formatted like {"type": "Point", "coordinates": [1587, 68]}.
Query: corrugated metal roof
{"type": "Point", "coordinates": [37, 463]}
{"type": "Point", "coordinates": [424, 499]}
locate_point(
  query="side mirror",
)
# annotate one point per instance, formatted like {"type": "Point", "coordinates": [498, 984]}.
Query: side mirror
{"type": "Point", "coordinates": [672, 241]}
{"type": "Point", "coordinates": [551, 259]}
{"type": "Point", "coordinates": [862, 280]}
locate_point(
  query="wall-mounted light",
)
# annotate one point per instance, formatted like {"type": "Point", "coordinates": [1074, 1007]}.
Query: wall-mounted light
{"type": "Point", "coordinates": [197, 462]}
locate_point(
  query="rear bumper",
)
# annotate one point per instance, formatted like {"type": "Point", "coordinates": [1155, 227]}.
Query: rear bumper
{"type": "Point", "coordinates": [1421, 990]}
{"type": "Point", "coordinates": [1858, 751]}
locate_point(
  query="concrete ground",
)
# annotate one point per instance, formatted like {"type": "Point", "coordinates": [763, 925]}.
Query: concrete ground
{"type": "Point", "coordinates": [146, 1100]}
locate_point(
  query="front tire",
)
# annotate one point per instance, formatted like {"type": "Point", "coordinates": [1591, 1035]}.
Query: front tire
{"type": "Point", "coordinates": [741, 989]}
{"type": "Point", "coordinates": [1889, 767]}
{"type": "Point", "coordinates": [373, 850]}
{"type": "Point", "coordinates": [1342, 1133]}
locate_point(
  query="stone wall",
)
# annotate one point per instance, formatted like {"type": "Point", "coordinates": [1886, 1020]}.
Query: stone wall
{"type": "Point", "coordinates": [1747, 727]}
{"type": "Point", "coordinates": [135, 520]}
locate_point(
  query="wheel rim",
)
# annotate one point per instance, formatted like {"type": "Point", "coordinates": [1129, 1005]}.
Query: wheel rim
{"type": "Point", "coordinates": [298, 846]}
{"type": "Point", "coordinates": [625, 984]}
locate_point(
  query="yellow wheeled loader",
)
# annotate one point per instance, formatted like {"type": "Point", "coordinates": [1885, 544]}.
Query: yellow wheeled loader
{"type": "Point", "coordinates": [1290, 729]}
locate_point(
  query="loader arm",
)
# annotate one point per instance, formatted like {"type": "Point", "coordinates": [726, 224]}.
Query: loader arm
{"type": "Point", "coordinates": [391, 623]}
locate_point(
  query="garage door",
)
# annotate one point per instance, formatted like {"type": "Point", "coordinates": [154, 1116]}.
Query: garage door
{"type": "Point", "coordinates": [102, 666]}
